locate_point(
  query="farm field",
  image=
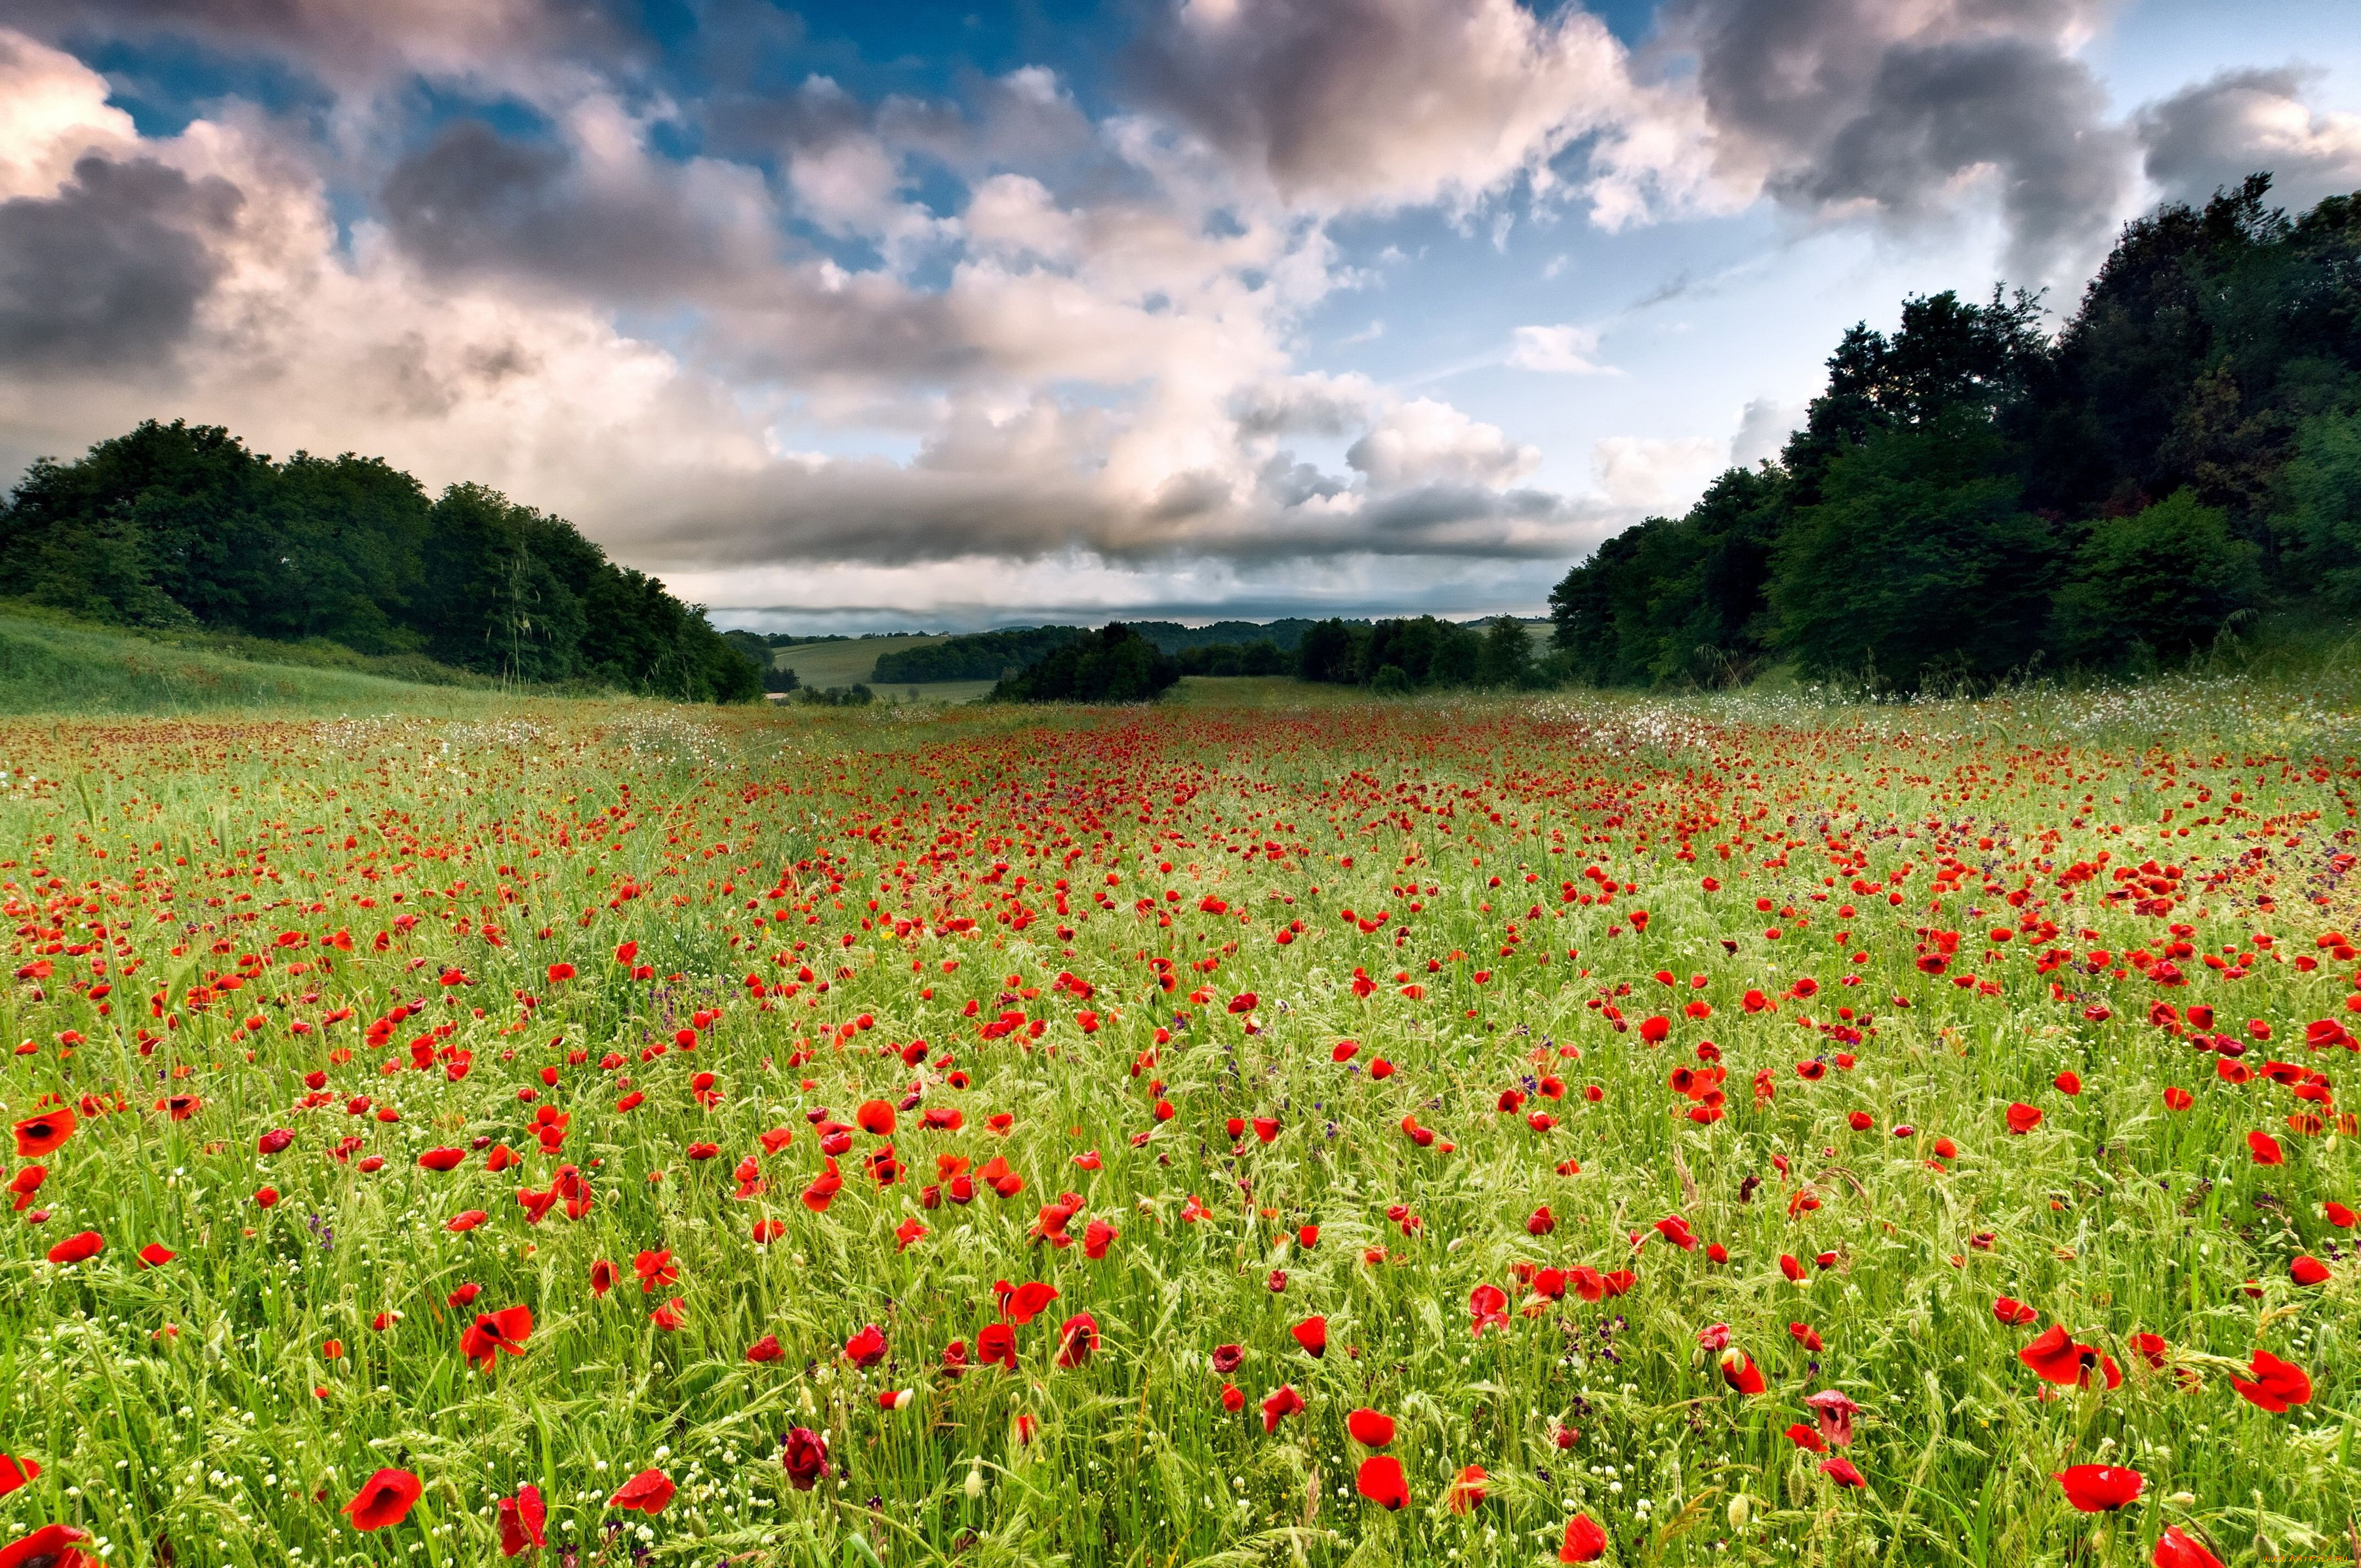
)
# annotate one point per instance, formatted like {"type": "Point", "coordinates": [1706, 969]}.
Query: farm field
{"type": "Point", "coordinates": [845, 664]}
{"type": "Point", "coordinates": [1260, 1128]}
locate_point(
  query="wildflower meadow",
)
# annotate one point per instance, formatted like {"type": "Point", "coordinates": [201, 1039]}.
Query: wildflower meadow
{"type": "Point", "coordinates": [1730, 1130]}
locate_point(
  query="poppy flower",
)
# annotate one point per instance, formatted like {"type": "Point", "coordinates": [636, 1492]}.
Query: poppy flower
{"type": "Point", "coordinates": [1804, 1335]}
{"type": "Point", "coordinates": [1467, 1490]}
{"type": "Point", "coordinates": [2013, 1312]}
{"type": "Point", "coordinates": [1097, 1236]}
{"type": "Point", "coordinates": [2068, 1082]}
{"type": "Point", "coordinates": [670, 1316]}
{"type": "Point", "coordinates": [16, 1473]}
{"type": "Point", "coordinates": [1835, 1412]}
{"type": "Point", "coordinates": [442, 1159]}
{"type": "Point", "coordinates": [2100, 1488]}
{"type": "Point", "coordinates": [2177, 1098]}
{"type": "Point", "coordinates": [2023, 1118]}
{"type": "Point", "coordinates": [1487, 1307]}
{"type": "Point", "coordinates": [1541, 1222]}
{"type": "Point", "coordinates": [875, 1116]}
{"type": "Point", "coordinates": [804, 1456]}
{"type": "Point", "coordinates": [765, 1350]}
{"type": "Point", "coordinates": [1024, 1303]}
{"type": "Point", "coordinates": [1078, 1336]}
{"type": "Point", "coordinates": [156, 1255]}
{"type": "Point", "coordinates": [645, 1493]}
{"type": "Point", "coordinates": [2308, 1270]}
{"type": "Point", "coordinates": [1311, 1333]}
{"type": "Point", "coordinates": [2342, 1218]}
{"type": "Point", "coordinates": [76, 1247]}
{"type": "Point", "coordinates": [1381, 1480]}
{"type": "Point", "coordinates": [1841, 1471]}
{"type": "Point", "coordinates": [1675, 1230]}
{"type": "Point", "coordinates": [2176, 1548]}
{"type": "Point", "coordinates": [1807, 1438]}
{"type": "Point", "coordinates": [1280, 1402]}
{"type": "Point", "coordinates": [2054, 1357]}
{"type": "Point", "coordinates": [522, 1517]}
{"type": "Point", "coordinates": [492, 1332]}
{"type": "Point", "coordinates": [2276, 1384]}
{"type": "Point", "coordinates": [51, 1546]}
{"type": "Point", "coordinates": [656, 1270]}
{"type": "Point", "coordinates": [1370, 1429]}
{"type": "Point", "coordinates": [1738, 1370]}
{"type": "Point", "coordinates": [996, 1344]}
{"type": "Point", "coordinates": [2265, 1148]}
{"type": "Point", "coordinates": [866, 1348]}
{"type": "Point", "coordinates": [39, 1136]}
{"type": "Point", "coordinates": [1584, 1541]}
{"type": "Point", "coordinates": [385, 1498]}
{"type": "Point", "coordinates": [602, 1277]}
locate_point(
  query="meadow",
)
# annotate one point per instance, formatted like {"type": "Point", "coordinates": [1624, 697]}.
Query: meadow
{"type": "Point", "coordinates": [1258, 1128]}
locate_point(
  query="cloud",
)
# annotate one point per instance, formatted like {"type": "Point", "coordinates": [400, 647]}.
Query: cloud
{"type": "Point", "coordinates": [2214, 134]}
{"type": "Point", "coordinates": [586, 208]}
{"type": "Point", "coordinates": [109, 271]}
{"type": "Point", "coordinates": [1344, 104]}
{"type": "Point", "coordinates": [1762, 431]}
{"type": "Point", "coordinates": [1891, 108]}
{"type": "Point", "coordinates": [1641, 473]}
{"type": "Point", "coordinates": [1558, 350]}
{"type": "Point", "coordinates": [1427, 442]}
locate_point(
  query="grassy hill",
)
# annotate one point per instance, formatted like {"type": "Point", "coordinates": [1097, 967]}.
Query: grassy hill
{"type": "Point", "coordinates": [843, 663]}
{"type": "Point", "coordinates": [51, 665]}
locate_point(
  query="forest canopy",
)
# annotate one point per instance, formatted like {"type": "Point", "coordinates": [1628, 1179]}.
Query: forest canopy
{"type": "Point", "coordinates": [181, 525]}
{"type": "Point", "coordinates": [1971, 499]}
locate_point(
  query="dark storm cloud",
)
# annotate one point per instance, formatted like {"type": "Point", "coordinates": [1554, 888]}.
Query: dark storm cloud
{"type": "Point", "coordinates": [108, 273]}
{"type": "Point", "coordinates": [1848, 104]}
{"type": "Point", "coordinates": [474, 201]}
{"type": "Point", "coordinates": [2212, 135]}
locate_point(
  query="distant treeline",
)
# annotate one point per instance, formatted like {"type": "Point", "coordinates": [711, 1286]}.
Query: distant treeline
{"type": "Point", "coordinates": [180, 524]}
{"type": "Point", "coordinates": [1971, 498]}
{"type": "Point", "coordinates": [1117, 663]}
{"type": "Point", "coordinates": [989, 655]}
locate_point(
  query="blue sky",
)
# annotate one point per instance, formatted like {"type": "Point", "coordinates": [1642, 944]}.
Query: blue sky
{"type": "Point", "coordinates": [855, 317]}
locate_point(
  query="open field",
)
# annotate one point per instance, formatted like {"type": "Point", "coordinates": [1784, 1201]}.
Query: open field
{"type": "Point", "coordinates": [843, 663]}
{"type": "Point", "coordinates": [1770, 1130]}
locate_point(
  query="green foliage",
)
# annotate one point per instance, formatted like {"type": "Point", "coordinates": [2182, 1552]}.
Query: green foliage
{"type": "Point", "coordinates": [1264, 657]}
{"type": "Point", "coordinates": [1917, 562]}
{"type": "Point", "coordinates": [180, 524]}
{"type": "Point", "coordinates": [2161, 582]}
{"type": "Point", "coordinates": [978, 656]}
{"type": "Point", "coordinates": [1114, 664]}
{"type": "Point", "coordinates": [2218, 351]}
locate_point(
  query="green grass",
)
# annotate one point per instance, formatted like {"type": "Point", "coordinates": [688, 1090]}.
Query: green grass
{"type": "Point", "coordinates": [845, 664]}
{"type": "Point", "coordinates": [194, 1411]}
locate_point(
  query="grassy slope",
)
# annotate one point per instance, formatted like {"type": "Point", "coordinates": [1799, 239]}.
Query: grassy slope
{"type": "Point", "coordinates": [843, 663]}
{"type": "Point", "coordinates": [53, 666]}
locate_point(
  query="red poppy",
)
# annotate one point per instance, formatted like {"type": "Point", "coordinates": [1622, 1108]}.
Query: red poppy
{"type": "Point", "coordinates": [385, 1498]}
{"type": "Point", "coordinates": [16, 1473]}
{"type": "Point", "coordinates": [442, 1159]}
{"type": "Point", "coordinates": [995, 1343]}
{"type": "Point", "coordinates": [1381, 1481]}
{"type": "Point", "coordinates": [1804, 1335]}
{"type": "Point", "coordinates": [1078, 1336]}
{"type": "Point", "coordinates": [1278, 1403]}
{"type": "Point", "coordinates": [2308, 1270]}
{"type": "Point", "coordinates": [156, 1255]}
{"type": "Point", "coordinates": [656, 1270]}
{"type": "Point", "coordinates": [2054, 1357]}
{"type": "Point", "coordinates": [1467, 1491]}
{"type": "Point", "coordinates": [492, 1332]}
{"type": "Point", "coordinates": [2100, 1488]}
{"type": "Point", "coordinates": [1835, 1411]}
{"type": "Point", "coordinates": [2023, 1118]}
{"type": "Point", "coordinates": [1311, 1333]}
{"type": "Point", "coordinates": [2176, 1548]}
{"type": "Point", "coordinates": [1370, 1429]}
{"type": "Point", "coordinates": [2013, 1312]}
{"type": "Point", "coordinates": [1675, 1230]}
{"type": "Point", "coordinates": [875, 1116]}
{"type": "Point", "coordinates": [645, 1493]}
{"type": "Point", "coordinates": [1841, 1471]}
{"type": "Point", "coordinates": [2342, 1218]}
{"type": "Point", "coordinates": [2276, 1384]}
{"type": "Point", "coordinates": [1097, 1236]}
{"type": "Point", "coordinates": [602, 1277]}
{"type": "Point", "coordinates": [1738, 1370]}
{"type": "Point", "coordinates": [2177, 1098]}
{"type": "Point", "coordinates": [866, 1348]}
{"type": "Point", "coordinates": [522, 1517]}
{"type": "Point", "coordinates": [1807, 1437]}
{"type": "Point", "coordinates": [38, 1137]}
{"type": "Point", "coordinates": [2265, 1148]}
{"type": "Point", "coordinates": [804, 1456]}
{"type": "Point", "coordinates": [670, 1316]}
{"type": "Point", "coordinates": [51, 1546]}
{"type": "Point", "coordinates": [1584, 1541]}
{"type": "Point", "coordinates": [78, 1247]}
{"type": "Point", "coordinates": [1487, 1307]}
{"type": "Point", "coordinates": [1026, 1302]}
{"type": "Point", "coordinates": [2068, 1083]}
{"type": "Point", "coordinates": [765, 1349]}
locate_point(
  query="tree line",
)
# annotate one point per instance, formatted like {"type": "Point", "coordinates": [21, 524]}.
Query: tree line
{"type": "Point", "coordinates": [1971, 499]}
{"type": "Point", "coordinates": [173, 525]}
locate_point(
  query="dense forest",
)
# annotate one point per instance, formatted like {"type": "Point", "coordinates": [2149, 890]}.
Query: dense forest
{"type": "Point", "coordinates": [181, 525]}
{"type": "Point", "coordinates": [989, 655]}
{"type": "Point", "coordinates": [1114, 664]}
{"type": "Point", "coordinates": [1972, 498]}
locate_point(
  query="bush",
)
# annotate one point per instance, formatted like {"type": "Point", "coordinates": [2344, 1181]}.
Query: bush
{"type": "Point", "coordinates": [1114, 664]}
{"type": "Point", "coordinates": [2164, 579]}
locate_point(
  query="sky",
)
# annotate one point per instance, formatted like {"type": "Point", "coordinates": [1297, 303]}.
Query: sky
{"type": "Point", "coordinates": [847, 318]}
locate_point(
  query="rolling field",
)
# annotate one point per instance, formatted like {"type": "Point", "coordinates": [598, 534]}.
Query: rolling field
{"type": "Point", "coordinates": [1259, 1129]}
{"type": "Point", "coordinates": [844, 663]}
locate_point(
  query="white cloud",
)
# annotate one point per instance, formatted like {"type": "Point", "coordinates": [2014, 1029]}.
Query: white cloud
{"type": "Point", "coordinates": [2213, 134]}
{"type": "Point", "coordinates": [1558, 350]}
{"type": "Point", "coordinates": [1656, 474]}
{"type": "Point", "coordinates": [1423, 441]}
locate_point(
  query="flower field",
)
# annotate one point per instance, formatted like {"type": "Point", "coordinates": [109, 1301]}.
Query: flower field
{"type": "Point", "coordinates": [1487, 1132]}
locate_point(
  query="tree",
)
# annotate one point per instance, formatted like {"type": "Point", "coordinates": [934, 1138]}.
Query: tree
{"type": "Point", "coordinates": [1917, 564]}
{"type": "Point", "coordinates": [2164, 579]}
{"type": "Point", "coordinates": [1505, 662]}
{"type": "Point", "coordinates": [1114, 664]}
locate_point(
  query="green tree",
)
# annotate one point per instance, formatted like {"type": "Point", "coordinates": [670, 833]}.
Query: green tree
{"type": "Point", "coordinates": [1917, 563]}
{"type": "Point", "coordinates": [2164, 579]}
{"type": "Point", "coordinates": [2318, 520]}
